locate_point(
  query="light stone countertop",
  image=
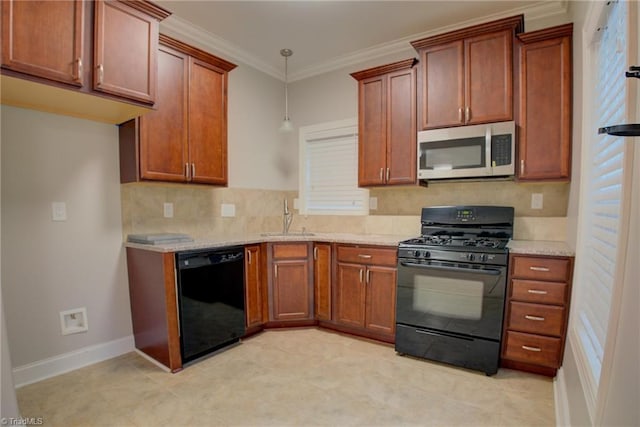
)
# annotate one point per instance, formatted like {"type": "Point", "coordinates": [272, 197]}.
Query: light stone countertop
{"type": "Point", "coordinates": [540, 247]}
{"type": "Point", "coordinates": [362, 239]}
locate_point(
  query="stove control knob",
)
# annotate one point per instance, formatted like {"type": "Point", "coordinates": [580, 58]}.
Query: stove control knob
{"type": "Point", "coordinates": [483, 257]}
{"type": "Point", "coordinates": [416, 254]}
{"type": "Point", "coordinates": [427, 254]}
{"type": "Point", "coordinates": [471, 257]}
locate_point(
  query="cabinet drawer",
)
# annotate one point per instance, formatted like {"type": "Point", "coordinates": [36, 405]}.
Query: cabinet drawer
{"type": "Point", "coordinates": [536, 318]}
{"type": "Point", "coordinates": [539, 292]}
{"type": "Point", "coordinates": [533, 349]}
{"type": "Point", "coordinates": [290, 250]}
{"type": "Point", "coordinates": [539, 268]}
{"type": "Point", "coordinates": [367, 255]}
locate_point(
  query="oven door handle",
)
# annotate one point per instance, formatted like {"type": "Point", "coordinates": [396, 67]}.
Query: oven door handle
{"type": "Point", "coordinates": [488, 271]}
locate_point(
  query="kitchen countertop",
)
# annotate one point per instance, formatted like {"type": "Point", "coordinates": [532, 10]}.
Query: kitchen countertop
{"type": "Point", "coordinates": [363, 239]}
{"type": "Point", "coordinates": [540, 247]}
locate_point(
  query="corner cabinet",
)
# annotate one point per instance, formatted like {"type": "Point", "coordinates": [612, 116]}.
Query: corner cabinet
{"type": "Point", "coordinates": [387, 124]}
{"type": "Point", "coordinates": [290, 283]}
{"type": "Point", "coordinates": [537, 312]}
{"type": "Point", "coordinates": [545, 104]}
{"type": "Point", "coordinates": [365, 291]}
{"type": "Point", "coordinates": [466, 76]}
{"type": "Point", "coordinates": [185, 139]}
{"type": "Point", "coordinates": [55, 53]}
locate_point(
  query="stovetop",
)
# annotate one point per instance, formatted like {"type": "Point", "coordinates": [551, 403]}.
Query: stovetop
{"type": "Point", "coordinates": [446, 241]}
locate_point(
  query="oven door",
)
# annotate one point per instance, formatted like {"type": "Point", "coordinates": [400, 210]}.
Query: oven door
{"type": "Point", "coordinates": [458, 298]}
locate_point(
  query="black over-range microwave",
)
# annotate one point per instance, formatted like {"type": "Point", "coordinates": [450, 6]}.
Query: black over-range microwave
{"type": "Point", "coordinates": [485, 150]}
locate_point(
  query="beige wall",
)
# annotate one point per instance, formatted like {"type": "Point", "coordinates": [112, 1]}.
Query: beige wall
{"type": "Point", "coordinates": [53, 266]}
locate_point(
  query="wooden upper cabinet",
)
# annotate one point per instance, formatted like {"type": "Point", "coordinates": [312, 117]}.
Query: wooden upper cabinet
{"type": "Point", "coordinates": [207, 123]}
{"type": "Point", "coordinates": [125, 50]}
{"type": "Point", "coordinates": [466, 76]}
{"type": "Point", "coordinates": [545, 104]}
{"type": "Point", "coordinates": [44, 39]}
{"type": "Point", "coordinates": [387, 124]}
{"type": "Point", "coordinates": [185, 138]}
{"type": "Point", "coordinates": [163, 132]}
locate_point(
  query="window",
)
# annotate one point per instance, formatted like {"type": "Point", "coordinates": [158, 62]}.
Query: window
{"type": "Point", "coordinates": [603, 197]}
{"type": "Point", "coordinates": [329, 170]}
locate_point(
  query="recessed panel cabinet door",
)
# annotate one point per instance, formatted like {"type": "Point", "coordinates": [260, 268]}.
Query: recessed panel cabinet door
{"type": "Point", "coordinates": [372, 122]}
{"type": "Point", "coordinates": [44, 39]}
{"type": "Point", "coordinates": [401, 127]}
{"type": "Point", "coordinates": [291, 293]}
{"type": "Point", "coordinates": [322, 280]}
{"type": "Point", "coordinates": [489, 77]}
{"type": "Point", "coordinates": [442, 86]}
{"type": "Point", "coordinates": [381, 297]}
{"type": "Point", "coordinates": [350, 296]}
{"type": "Point", "coordinates": [163, 132]}
{"type": "Point", "coordinates": [207, 123]}
{"type": "Point", "coordinates": [253, 286]}
{"type": "Point", "coordinates": [125, 49]}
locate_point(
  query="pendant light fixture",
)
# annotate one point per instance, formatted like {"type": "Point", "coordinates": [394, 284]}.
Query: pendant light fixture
{"type": "Point", "coordinates": [286, 125]}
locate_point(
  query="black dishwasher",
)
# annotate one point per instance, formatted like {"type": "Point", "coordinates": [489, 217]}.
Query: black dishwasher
{"type": "Point", "coordinates": [210, 300]}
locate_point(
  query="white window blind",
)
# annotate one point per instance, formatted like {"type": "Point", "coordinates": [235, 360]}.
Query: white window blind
{"type": "Point", "coordinates": [601, 201]}
{"type": "Point", "coordinates": [329, 170]}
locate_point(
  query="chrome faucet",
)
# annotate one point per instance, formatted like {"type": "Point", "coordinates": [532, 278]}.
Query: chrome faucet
{"type": "Point", "coordinates": [286, 220]}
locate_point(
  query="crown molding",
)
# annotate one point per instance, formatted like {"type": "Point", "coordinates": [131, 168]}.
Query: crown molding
{"type": "Point", "coordinates": [189, 33]}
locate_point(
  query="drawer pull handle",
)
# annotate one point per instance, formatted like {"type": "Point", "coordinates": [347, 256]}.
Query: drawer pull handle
{"type": "Point", "coordinates": [545, 269]}
{"type": "Point", "coordinates": [537, 292]}
{"type": "Point", "coordinates": [536, 318]}
{"type": "Point", "coordinates": [364, 256]}
{"type": "Point", "coordinates": [526, 347]}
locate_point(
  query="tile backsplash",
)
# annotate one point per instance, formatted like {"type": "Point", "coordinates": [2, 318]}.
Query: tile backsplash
{"type": "Point", "coordinates": [197, 210]}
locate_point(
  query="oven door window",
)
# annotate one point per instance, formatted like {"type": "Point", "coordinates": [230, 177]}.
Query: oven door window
{"type": "Point", "coordinates": [452, 297]}
{"type": "Point", "coordinates": [467, 153]}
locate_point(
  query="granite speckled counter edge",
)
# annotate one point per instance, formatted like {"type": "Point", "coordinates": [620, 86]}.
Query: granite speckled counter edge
{"type": "Point", "coordinates": [360, 239]}
{"type": "Point", "coordinates": [540, 247]}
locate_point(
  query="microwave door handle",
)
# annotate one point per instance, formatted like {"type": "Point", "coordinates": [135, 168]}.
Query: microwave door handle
{"type": "Point", "coordinates": [488, 271]}
{"type": "Point", "coordinates": [487, 150]}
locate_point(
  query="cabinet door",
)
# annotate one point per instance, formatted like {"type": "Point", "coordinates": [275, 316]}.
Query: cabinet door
{"type": "Point", "coordinates": [253, 286]}
{"type": "Point", "coordinates": [125, 46]}
{"type": "Point", "coordinates": [442, 83]}
{"type": "Point", "coordinates": [291, 294]}
{"type": "Point", "coordinates": [401, 127]}
{"type": "Point", "coordinates": [381, 299]}
{"type": "Point", "coordinates": [44, 39]}
{"type": "Point", "coordinates": [207, 123]}
{"type": "Point", "coordinates": [489, 77]}
{"type": "Point", "coordinates": [163, 132]}
{"type": "Point", "coordinates": [372, 132]}
{"type": "Point", "coordinates": [545, 110]}
{"type": "Point", "coordinates": [322, 280]}
{"type": "Point", "coordinates": [350, 295]}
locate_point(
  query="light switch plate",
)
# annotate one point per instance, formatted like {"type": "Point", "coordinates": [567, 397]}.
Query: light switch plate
{"type": "Point", "coordinates": [168, 210]}
{"type": "Point", "coordinates": [536, 201]}
{"type": "Point", "coordinates": [58, 211]}
{"type": "Point", "coordinates": [228, 209]}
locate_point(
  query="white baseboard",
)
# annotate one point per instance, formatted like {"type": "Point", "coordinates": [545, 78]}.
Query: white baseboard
{"type": "Point", "coordinates": [52, 366]}
{"type": "Point", "coordinates": [561, 400]}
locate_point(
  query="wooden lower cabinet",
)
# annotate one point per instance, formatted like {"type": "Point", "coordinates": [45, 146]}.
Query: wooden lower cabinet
{"type": "Point", "coordinates": [537, 311]}
{"type": "Point", "coordinates": [322, 281]}
{"type": "Point", "coordinates": [254, 288]}
{"type": "Point", "coordinates": [365, 291]}
{"type": "Point", "coordinates": [154, 311]}
{"type": "Point", "coordinates": [290, 283]}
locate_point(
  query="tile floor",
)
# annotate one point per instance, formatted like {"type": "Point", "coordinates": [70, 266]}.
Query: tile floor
{"type": "Point", "coordinates": [303, 377]}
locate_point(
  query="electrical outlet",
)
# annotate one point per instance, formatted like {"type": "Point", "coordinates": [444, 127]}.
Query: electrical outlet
{"type": "Point", "coordinates": [228, 209]}
{"type": "Point", "coordinates": [536, 201]}
{"type": "Point", "coordinates": [168, 210]}
{"type": "Point", "coordinates": [373, 203]}
{"type": "Point", "coordinates": [58, 211]}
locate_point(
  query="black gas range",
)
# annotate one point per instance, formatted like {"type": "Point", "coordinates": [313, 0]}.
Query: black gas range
{"type": "Point", "coordinates": [451, 286]}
